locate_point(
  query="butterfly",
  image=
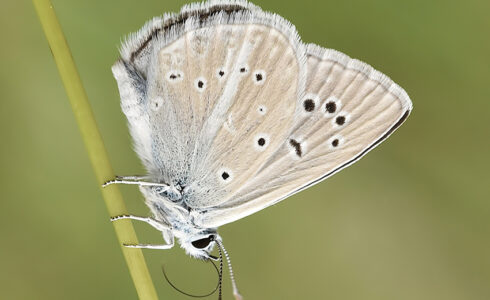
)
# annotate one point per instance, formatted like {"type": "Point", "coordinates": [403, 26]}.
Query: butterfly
{"type": "Point", "coordinates": [230, 113]}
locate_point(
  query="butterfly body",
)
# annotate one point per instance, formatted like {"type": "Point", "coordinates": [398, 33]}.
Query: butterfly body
{"type": "Point", "coordinates": [230, 112]}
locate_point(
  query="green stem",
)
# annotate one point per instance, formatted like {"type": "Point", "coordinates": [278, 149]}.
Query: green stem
{"type": "Point", "coordinates": [95, 147]}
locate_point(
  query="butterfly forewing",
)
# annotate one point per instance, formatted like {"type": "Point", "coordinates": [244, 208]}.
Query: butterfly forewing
{"type": "Point", "coordinates": [218, 99]}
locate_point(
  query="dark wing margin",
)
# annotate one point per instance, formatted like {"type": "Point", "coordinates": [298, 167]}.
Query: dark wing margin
{"type": "Point", "coordinates": [163, 24]}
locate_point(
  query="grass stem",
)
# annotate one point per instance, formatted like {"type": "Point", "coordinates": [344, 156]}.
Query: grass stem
{"type": "Point", "coordinates": [95, 146]}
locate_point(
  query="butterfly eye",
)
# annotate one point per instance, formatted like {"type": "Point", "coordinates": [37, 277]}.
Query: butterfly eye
{"type": "Point", "coordinates": [202, 243]}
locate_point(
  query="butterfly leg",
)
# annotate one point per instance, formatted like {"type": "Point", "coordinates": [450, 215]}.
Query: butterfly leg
{"type": "Point", "coordinates": [150, 221]}
{"type": "Point", "coordinates": [132, 177]}
{"type": "Point", "coordinates": [138, 180]}
{"type": "Point", "coordinates": [149, 246]}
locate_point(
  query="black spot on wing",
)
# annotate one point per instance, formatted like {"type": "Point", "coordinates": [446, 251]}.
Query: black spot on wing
{"type": "Point", "coordinates": [340, 120]}
{"type": "Point", "coordinates": [330, 107]}
{"type": "Point", "coordinates": [297, 146]}
{"type": "Point", "coordinates": [309, 105]}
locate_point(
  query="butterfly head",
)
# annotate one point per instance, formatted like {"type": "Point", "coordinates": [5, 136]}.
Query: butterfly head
{"type": "Point", "coordinates": [200, 245]}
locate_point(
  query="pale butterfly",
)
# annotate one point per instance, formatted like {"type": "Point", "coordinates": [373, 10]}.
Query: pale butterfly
{"type": "Point", "coordinates": [231, 112]}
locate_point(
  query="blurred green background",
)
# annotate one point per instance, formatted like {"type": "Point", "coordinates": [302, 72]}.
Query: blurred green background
{"type": "Point", "coordinates": [409, 221]}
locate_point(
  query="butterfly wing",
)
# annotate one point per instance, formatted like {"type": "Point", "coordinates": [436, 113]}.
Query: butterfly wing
{"type": "Point", "coordinates": [347, 110]}
{"type": "Point", "coordinates": [225, 102]}
{"type": "Point", "coordinates": [203, 87]}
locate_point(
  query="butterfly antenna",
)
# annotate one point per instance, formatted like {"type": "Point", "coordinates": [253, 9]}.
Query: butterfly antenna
{"type": "Point", "coordinates": [220, 276]}
{"type": "Point", "coordinates": [220, 273]}
{"type": "Point", "coordinates": [232, 277]}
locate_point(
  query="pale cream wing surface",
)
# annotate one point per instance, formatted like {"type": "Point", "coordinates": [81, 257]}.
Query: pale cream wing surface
{"type": "Point", "coordinates": [210, 95]}
{"type": "Point", "coordinates": [348, 108]}
{"type": "Point", "coordinates": [253, 115]}
{"type": "Point", "coordinates": [157, 75]}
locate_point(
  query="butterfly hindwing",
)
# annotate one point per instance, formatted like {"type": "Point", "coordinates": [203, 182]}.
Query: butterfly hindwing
{"type": "Point", "coordinates": [347, 109]}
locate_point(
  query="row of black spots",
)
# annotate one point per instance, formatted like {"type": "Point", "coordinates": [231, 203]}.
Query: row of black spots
{"type": "Point", "coordinates": [174, 76]}
{"type": "Point", "coordinates": [261, 143]}
{"type": "Point", "coordinates": [334, 142]}
{"type": "Point", "coordinates": [330, 107]}
{"type": "Point", "coordinates": [221, 72]}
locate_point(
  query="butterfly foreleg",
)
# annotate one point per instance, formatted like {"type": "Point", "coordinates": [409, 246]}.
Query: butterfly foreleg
{"type": "Point", "coordinates": [136, 179]}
